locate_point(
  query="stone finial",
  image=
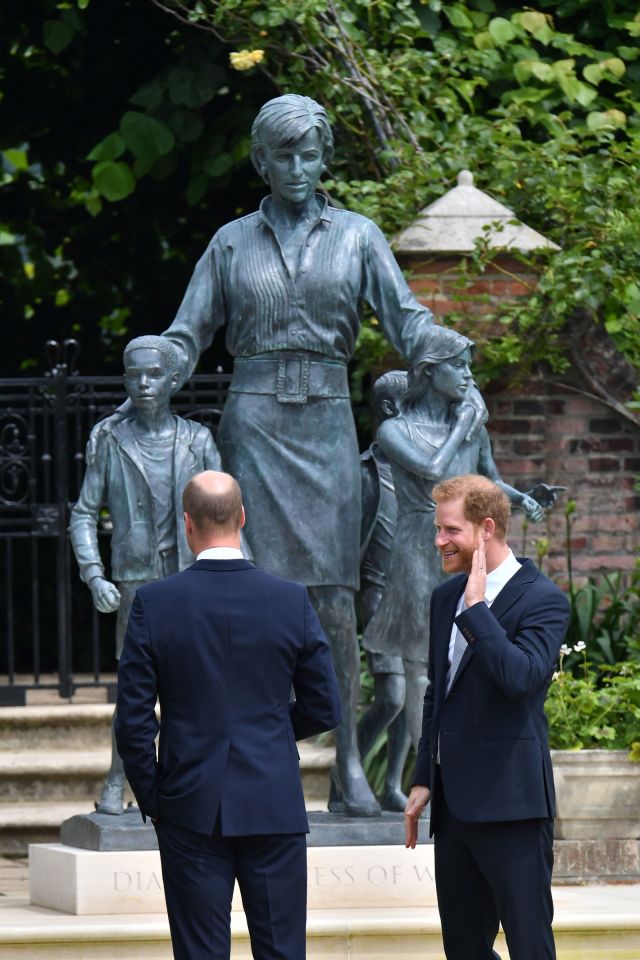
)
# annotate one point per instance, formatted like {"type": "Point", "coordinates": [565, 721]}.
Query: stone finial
{"type": "Point", "coordinates": [453, 222]}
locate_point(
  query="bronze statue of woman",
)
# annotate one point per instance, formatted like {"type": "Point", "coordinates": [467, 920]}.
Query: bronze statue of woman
{"type": "Point", "coordinates": [289, 282]}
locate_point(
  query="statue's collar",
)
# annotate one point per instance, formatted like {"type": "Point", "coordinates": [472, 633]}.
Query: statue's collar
{"type": "Point", "coordinates": [324, 210]}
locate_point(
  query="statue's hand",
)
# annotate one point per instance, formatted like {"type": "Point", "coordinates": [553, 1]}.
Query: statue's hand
{"type": "Point", "coordinates": [474, 397]}
{"type": "Point", "coordinates": [545, 494]}
{"type": "Point", "coordinates": [121, 413]}
{"type": "Point", "coordinates": [532, 508]}
{"type": "Point", "coordinates": [106, 596]}
{"type": "Point", "coordinates": [103, 428]}
{"type": "Point", "coordinates": [466, 416]}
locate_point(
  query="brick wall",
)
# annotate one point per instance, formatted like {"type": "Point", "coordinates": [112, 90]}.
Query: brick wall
{"type": "Point", "coordinates": [552, 433]}
{"type": "Point", "coordinates": [551, 430]}
{"type": "Point", "coordinates": [439, 284]}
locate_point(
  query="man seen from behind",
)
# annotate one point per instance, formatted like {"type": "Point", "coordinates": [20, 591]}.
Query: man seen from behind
{"type": "Point", "coordinates": [221, 645]}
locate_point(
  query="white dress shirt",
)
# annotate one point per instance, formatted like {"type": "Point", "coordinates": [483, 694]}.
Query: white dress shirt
{"type": "Point", "coordinates": [221, 553]}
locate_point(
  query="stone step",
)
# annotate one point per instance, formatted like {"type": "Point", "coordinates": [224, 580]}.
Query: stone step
{"type": "Point", "coordinates": [52, 775]}
{"type": "Point", "coordinates": [47, 775]}
{"type": "Point", "coordinates": [39, 788]}
{"type": "Point", "coordinates": [590, 922]}
{"type": "Point", "coordinates": [59, 725]}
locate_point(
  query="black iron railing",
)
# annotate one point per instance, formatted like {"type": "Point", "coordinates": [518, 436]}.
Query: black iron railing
{"type": "Point", "coordinates": [50, 634]}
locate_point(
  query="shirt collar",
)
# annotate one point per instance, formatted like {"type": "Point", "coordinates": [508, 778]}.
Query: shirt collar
{"type": "Point", "coordinates": [324, 211]}
{"type": "Point", "coordinates": [221, 553]}
{"type": "Point", "coordinates": [499, 577]}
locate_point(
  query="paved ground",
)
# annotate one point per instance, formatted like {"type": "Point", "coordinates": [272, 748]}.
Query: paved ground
{"type": "Point", "coordinates": [14, 877]}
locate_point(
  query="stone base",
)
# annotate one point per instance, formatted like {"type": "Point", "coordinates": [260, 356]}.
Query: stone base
{"type": "Point", "coordinates": [100, 831]}
{"type": "Point", "coordinates": [103, 831]}
{"type": "Point", "coordinates": [596, 861]}
{"type": "Point", "coordinates": [90, 882]}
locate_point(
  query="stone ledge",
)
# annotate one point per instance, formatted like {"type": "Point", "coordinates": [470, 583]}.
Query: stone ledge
{"type": "Point", "coordinates": [596, 860]}
{"type": "Point", "coordinates": [590, 921]}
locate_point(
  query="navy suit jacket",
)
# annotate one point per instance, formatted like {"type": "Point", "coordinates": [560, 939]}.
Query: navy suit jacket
{"type": "Point", "coordinates": [492, 729]}
{"type": "Point", "coordinates": [221, 645]}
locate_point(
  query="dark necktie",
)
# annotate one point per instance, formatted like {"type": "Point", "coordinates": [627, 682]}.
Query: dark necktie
{"type": "Point", "coordinates": [459, 647]}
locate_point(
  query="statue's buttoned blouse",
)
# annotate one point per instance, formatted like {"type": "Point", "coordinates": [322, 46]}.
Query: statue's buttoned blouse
{"type": "Point", "coordinates": [294, 448]}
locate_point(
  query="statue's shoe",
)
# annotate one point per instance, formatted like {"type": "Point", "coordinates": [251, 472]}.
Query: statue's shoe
{"type": "Point", "coordinates": [111, 797]}
{"type": "Point", "coordinates": [335, 802]}
{"type": "Point", "coordinates": [393, 799]}
{"type": "Point", "coordinates": [352, 796]}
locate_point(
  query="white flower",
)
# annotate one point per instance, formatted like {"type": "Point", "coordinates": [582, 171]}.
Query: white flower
{"type": "Point", "coordinates": [580, 646]}
{"type": "Point", "coordinates": [565, 650]}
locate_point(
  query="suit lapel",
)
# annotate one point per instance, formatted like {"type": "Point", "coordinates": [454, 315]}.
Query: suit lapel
{"type": "Point", "coordinates": [510, 593]}
{"type": "Point", "coordinates": [442, 629]}
{"type": "Point", "coordinates": [514, 588]}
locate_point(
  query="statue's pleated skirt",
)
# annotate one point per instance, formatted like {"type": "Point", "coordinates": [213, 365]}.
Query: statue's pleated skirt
{"type": "Point", "coordinates": [299, 471]}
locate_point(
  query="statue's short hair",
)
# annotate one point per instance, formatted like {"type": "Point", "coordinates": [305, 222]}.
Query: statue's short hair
{"type": "Point", "coordinates": [481, 498]}
{"type": "Point", "coordinates": [220, 511]}
{"type": "Point", "coordinates": [390, 386]}
{"type": "Point", "coordinates": [283, 121]}
{"type": "Point", "coordinates": [163, 345]}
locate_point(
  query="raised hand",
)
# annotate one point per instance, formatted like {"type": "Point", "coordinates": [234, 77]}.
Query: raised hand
{"type": "Point", "coordinates": [481, 414]}
{"type": "Point", "coordinates": [477, 581]}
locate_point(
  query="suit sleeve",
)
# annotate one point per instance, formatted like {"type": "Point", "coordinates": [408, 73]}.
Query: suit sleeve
{"type": "Point", "coordinates": [317, 697]}
{"type": "Point", "coordinates": [422, 770]}
{"type": "Point", "coordinates": [520, 666]}
{"type": "Point", "coordinates": [136, 725]}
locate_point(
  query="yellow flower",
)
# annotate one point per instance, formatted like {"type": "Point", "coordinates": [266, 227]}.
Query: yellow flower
{"type": "Point", "coordinates": [29, 269]}
{"type": "Point", "coordinates": [246, 59]}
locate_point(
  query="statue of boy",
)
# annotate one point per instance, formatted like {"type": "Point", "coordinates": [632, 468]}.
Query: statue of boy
{"type": "Point", "coordinates": [138, 469]}
{"type": "Point", "coordinates": [428, 441]}
{"type": "Point", "coordinates": [379, 512]}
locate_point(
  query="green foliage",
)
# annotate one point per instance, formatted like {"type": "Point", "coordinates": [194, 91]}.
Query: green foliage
{"type": "Point", "coordinates": [104, 149]}
{"type": "Point", "coordinates": [543, 108]}
{"type": "Point", "coordinates": [605, 615]}
{"type": "Point", "coordinates": [595, 709]}
{"type": "Point", "coordinates": [138, 115]}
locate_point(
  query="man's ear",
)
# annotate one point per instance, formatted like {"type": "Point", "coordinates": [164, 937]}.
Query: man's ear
{"type": "Point", "coordinates": [242, 522]}
{"type": "Point", "coordinates": [188, 524]}
{"type": "Point", "coordinates": [488, 528]}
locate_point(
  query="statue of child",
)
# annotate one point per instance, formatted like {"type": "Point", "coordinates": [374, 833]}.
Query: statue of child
{"type": "Point", "coordinates": [138, 470]}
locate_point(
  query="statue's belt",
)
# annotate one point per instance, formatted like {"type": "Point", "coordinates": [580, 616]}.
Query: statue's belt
{"type": "Point", "coordinates": [290, 377]}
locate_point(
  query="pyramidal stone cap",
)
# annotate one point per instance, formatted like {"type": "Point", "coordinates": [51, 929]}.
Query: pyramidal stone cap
{"type": "Point", "coordinates": [454, 222]}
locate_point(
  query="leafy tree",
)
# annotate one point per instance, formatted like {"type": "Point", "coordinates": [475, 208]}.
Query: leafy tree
{"type": "Point", "coordinates": [117, 129]}
{"type": "Point", "coordinates": [128, 166]}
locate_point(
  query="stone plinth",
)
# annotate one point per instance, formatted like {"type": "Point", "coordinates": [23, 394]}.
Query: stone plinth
{"type": "Point", "coordinates": [102, 831]}
{"type": "Point", "coordinates": [92, 882]}
{"type": "Point", "coordinates": [99, 831]}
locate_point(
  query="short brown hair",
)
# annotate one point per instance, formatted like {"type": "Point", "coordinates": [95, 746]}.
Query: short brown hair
{"type": "Point", "coordinates": [220, 510]}
{"type": "Point", "coordinates": [481, 498]}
